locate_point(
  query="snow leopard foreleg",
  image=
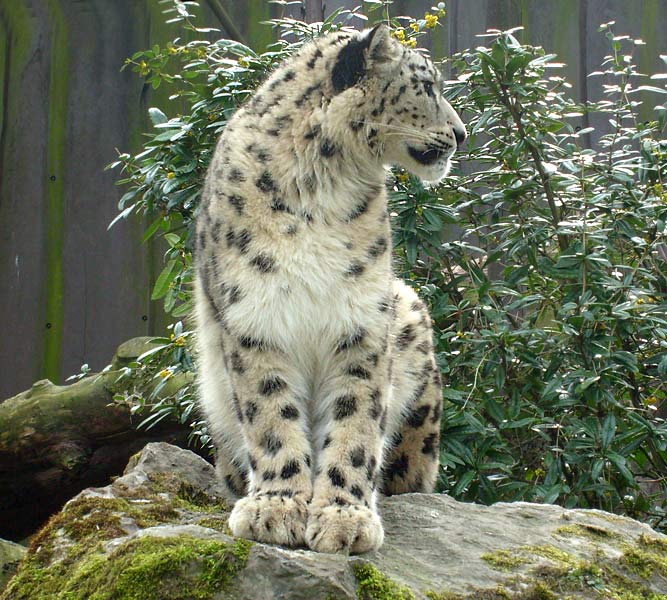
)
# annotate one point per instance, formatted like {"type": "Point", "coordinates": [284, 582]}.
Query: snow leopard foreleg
{"type": "Point", "coordinates": [343, 515]}
{"type": "Point", "coordinates": [270, 411]}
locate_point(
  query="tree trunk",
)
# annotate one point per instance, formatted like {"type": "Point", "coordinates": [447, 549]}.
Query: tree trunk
{"type": "Point", "coordinates": [57, 440]}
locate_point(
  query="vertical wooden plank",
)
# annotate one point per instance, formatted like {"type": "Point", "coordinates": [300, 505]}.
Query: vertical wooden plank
{"type": "Point", "coordinates": [313, 11]}
{"type": "Point", "coordinates": [556, 27]}
{"type": "Point", "coordinates": [652, 27]}
{"type": "Point", "coordinates": [55, 200]}
{"type": "Point", "coordinates": [469, 18]}
{"type": "Point", "coordinates": [503, 14]}
{"type": "Point", "coordinates": [106, 272]}
{"type": "Point", "coordinates": [23, 183]}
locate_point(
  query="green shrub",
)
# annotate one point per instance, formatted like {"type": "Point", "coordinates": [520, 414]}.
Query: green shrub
{"type": "Point", "coordinates": [543, 259]}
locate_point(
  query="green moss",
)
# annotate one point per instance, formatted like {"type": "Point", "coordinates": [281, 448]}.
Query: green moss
{"type": "Point", "coordinates": [151, 511]}
{"type": "Point", "coordinates": [638, 562]}
{"type": "Point", "coordinates": [658, 545]}
{"type": "Point", "coordinates": [552, 553]}
{"type": "Point", "coordinates": [644, 563]}
{"type": "Point", "coordinates": [647, 557]}
{"type": "Point", "coordinates": [613, 519]}
{"type": "Point", "coordinates": [55, 206]}
{"type": "Point", "coordinates": [588, 531]}
{"type": "Point", "coordinates": [538, 591]}
{"type": "Point", "coordinates": [182, 494]}
{"type": "Point", "coordinates": [504, 560]}
{"type": "Point", "coordinates": [189, 497]}
{"type": "Point", "coordinates": [217, 523]}
{"type": "Point", "coordinates": [143, 568]}
{"type": "Point", "coordinates": [146, 568]}
{"type": "Point", "coordinates": [638, 596]}
{"type": "Point", "coordinates": [442, 595]}
{"type": "Point", "coordinates": [566, 576]}
{"type": "Point", "coordinates": [600, 580]}
{"type": "Point", "coordinates": [90, 519]}
{"type": "Point", "coordinates": [98, 523]}
{"type": "Point", "coordinates": [373, 585]}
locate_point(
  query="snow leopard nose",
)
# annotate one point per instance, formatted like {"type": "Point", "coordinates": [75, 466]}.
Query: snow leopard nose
{"type": "Point", "coordinates": [460, 135]}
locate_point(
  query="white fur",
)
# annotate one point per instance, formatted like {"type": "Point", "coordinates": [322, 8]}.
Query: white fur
{"type": "Point", "coordinates": [297, 180]}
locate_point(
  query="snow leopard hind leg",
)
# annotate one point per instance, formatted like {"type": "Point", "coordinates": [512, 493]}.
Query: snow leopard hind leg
{"type": "Point", "coordinates": [218, 407]}
{"type": "Point", "coordinates": [412, 448]}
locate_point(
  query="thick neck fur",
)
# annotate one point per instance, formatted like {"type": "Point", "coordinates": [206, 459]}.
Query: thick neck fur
{"type": "Point", "coordinates": [313, 141]}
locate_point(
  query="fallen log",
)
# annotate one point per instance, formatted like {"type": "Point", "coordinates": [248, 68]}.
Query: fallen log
{"type": "Point", "coordinates": [57, 440]}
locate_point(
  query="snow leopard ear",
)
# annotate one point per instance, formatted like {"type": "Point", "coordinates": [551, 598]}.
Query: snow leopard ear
{"type": "Point", "coordinates": [381, 47]}
{"type": "Point", "coordinates": [358, 55]}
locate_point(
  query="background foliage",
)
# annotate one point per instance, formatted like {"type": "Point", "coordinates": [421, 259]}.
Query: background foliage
{"type": "Point", "coordinates": [543, 259]}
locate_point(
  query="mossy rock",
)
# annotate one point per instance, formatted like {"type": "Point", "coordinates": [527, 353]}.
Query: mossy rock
{"type": "Point", "coordinates": [11, 555]}
{"type": "Point", "coordinates": [160, 532]}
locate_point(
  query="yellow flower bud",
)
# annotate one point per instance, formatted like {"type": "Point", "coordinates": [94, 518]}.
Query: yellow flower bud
{"type": "Point", "coordinates": [171, 175]}
{"type": "Point", "coordinates": [399, 34]}
{"type": "Point", "coordinates": [431, 20]}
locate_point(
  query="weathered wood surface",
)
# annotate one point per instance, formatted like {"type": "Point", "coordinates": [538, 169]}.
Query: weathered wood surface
{"type": "Point", "coordinates": [71, 291]}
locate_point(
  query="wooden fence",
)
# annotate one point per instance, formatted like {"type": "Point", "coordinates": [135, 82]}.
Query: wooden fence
{"type": "Point", "coordinates": [71, 291]}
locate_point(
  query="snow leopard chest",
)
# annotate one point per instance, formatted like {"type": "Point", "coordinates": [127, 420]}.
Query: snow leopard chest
{"type": "Point", "coordinates": [309, 279]}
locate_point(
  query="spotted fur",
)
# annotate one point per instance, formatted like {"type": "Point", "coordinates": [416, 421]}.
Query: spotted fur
{"type": "Point", "coordinates": [317, 372]}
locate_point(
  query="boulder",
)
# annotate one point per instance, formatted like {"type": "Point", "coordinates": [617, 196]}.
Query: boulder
{"type": "Point", "coordinates": [10, 557]}
{"type": "Point", "coordinates": [160, 532]}
{"type": "Point", "coordinates": [58, 440]}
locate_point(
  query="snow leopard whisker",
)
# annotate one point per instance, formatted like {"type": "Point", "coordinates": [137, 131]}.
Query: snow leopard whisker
{"type": "Point", "coordinates": [399, 128]}
{"type": "Point", "coordinates": [416, 134]}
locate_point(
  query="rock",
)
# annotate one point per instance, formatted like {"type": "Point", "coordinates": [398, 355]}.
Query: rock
{"type": "Point", "coordinates": [160, 532]}
{"type": "Point", "coordinates": [11, 555]}
{"type": "Point", "coordinates": [58, 440]}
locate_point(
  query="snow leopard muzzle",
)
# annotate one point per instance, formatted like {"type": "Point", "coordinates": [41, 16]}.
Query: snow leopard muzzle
{"type": "Point", "coordinates": [430, 155]}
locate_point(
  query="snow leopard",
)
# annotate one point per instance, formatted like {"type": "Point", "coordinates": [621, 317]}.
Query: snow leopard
{"type": "Point", "coordinates": [317, 373]}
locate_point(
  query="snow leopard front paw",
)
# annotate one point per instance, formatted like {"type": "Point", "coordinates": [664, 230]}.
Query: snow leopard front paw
{"type": "Point", "coordinates": [343, 529]}
{"type": "Point", "coordinates": [270, 519]}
